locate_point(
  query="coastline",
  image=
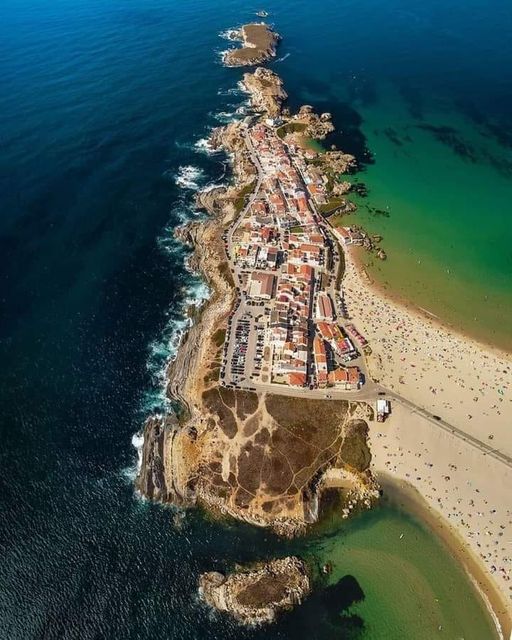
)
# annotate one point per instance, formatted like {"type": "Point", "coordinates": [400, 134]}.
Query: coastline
{"type": "Point", "coordinates": [411, 307]}
{"type": "Point", "coordinates": [415, 455]}
{"type": "Point", "coordinates": [406, 496]}
{"type": "Point", "coordinates": [197, 352]}
{"type": "Point", "coordinates": [401, 445]}
{"type": "Point", "coordinates": [416, 356]}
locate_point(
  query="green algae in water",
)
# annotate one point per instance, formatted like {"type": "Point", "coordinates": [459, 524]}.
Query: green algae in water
{"type": "Point", "coordinates": [447, 186]}
{"type": "Point", "coordinates": [391, 578]}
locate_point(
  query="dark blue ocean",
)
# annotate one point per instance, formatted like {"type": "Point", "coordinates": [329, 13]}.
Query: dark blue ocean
{"type": "Point", "coordinates": [102, 104]}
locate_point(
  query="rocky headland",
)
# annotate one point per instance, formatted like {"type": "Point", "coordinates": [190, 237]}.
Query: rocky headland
{"type": "Point", "coordinates": [266, 90]}
{"type": "Point", "coordinates": [259, 44]}
{"type": "Point", "coordinates": [256, 596]}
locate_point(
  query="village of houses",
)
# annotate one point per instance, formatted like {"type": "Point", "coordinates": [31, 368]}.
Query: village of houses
{"type": "Point", "coordinates": [289, 325]}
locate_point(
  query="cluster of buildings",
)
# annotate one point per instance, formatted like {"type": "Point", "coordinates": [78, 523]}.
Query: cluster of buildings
{"type": "Point", "coordinates": [282, 251]}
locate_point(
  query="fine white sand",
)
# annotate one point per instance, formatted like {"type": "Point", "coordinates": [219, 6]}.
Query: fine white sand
{"type": "Point", "coordinates": [468, 489]}
{"type": "Point", "coordinates": [465, 383]}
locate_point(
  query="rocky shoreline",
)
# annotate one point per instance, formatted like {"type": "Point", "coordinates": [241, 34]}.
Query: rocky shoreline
{"type": "Point", "coordinates": [259, 44]}
{"type": "Point", "coordinates": [256, 596]}
{"type": "Point", "coordinates": [237, 452]}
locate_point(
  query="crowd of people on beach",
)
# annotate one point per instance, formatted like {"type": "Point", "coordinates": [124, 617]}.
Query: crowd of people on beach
{"type": "Point", "coordinates": [452, 491]}
{"type": "Point", "coordinates": [463, 383]}
{"type": "Point", "coordinates": [432, 366]}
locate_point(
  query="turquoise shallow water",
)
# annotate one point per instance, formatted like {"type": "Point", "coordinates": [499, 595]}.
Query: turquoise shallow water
{"type": "Point", "coordinates": [439, 194]}
{"type": "Point", "coordinates": [101, 105]}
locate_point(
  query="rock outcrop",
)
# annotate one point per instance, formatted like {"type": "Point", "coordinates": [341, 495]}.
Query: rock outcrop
{"type": "Point", "coordinates": [259, 44]}
{"type": "Point", "coordinates": [256, 596]}
{"type": "Point", "coordinates": [266, 89]}
{"type": "Point", "coordinates": [317, 126]}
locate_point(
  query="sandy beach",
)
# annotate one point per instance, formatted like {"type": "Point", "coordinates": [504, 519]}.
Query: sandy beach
{"type": "Point", "coordinates": [469, 386]}
{"type": "Point", "coordinates": [466, 383]}
{"type": "Point", "coordinates": [468, 495]}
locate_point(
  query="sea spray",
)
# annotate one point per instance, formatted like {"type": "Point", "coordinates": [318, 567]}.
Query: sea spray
{"type": "Point", "coordinates": [189, 177]}
{"type": "Point", "coordinates": [203, 145]}
{"type": "Point", "coordinates": [233, 35]}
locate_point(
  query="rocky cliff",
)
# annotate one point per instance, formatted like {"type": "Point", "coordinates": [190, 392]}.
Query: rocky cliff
{"type": "Point", "coordinates": [258, 595]}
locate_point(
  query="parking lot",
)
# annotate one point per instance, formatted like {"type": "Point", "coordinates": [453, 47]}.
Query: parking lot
{"type": "Point", "coordinates": [244, 354]}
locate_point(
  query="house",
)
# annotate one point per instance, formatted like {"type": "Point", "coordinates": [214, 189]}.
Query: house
{"type": "Point", "coordinates": [324, 308]}
{"type": "Point", "coordinates": [262, 285]}
{"type": "Point", "coordinates": [320, 357]}
{"type": "Point", "coordinates": [297, 379]}
{"type": "Point", "coordinates": [348, 379]}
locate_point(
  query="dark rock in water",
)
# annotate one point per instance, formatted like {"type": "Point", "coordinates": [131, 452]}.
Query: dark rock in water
{"type": "Point", "coordinates": [360, 188]}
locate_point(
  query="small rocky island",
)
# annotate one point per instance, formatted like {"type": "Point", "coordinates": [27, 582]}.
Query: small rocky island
{"type": "Point", "coordinates": [259, 43]}
{"type": "Point", "coordinates": [256, 596]}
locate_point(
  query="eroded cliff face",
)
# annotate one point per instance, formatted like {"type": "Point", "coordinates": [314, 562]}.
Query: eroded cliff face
{"type": "Point", "coordinates": [256, 596]}
{"type": "Point", "coordinates": [266, 90]}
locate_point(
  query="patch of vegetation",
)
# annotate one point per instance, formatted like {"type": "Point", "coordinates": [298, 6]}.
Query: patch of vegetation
{"type": "Point", "coordinates": [354, 450]}
{"type": "Point", "coordinates": [225, 272]}
{"type": "Point", "coordinates": [333, 204]}
{"type": "Point", "coordinates": [219, 337]}
{"type": "Point", "coordinates": [269, 588]}
{"type": "Point", "coordinates": [291, 127]}
{"type": "Point", "coordinates": [239, 202]}
{"type": "Point", "coordinates": [212, 376]}
{"type": "Point", "coordinates": [306, 416]}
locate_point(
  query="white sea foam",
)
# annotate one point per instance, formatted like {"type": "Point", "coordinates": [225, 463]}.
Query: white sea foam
{"type": "Point", "coordinates": [138, 443]}
{"type": "Point", "coordinates": [286, 55]}
{"type": "Point", "coordinates": [189, 177]}
{"type": "Point", "coordinates": [225, 117]}
{"type": "Point", "coordinates": [130, 473]}
{"type": "Point", "coordinates": [222, 54]}
{"type": "Point", "coordinates": [232, 91]}
{"type": "Point", "coordinates": [234, 35]}
{"type": "Point", "coordinates": [162, 351]}
{"type": "Point", "coordinates": [203, 145]}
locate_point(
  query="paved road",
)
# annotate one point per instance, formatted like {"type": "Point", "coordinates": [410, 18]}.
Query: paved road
{"type": "Point", "coordinates": [370, 392]}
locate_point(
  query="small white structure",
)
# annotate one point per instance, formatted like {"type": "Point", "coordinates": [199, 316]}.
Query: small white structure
{"type": "Point", "coordinates": [383, 409]}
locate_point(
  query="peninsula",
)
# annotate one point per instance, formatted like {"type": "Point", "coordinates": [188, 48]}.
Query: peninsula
{"type": "Point", "coordinates": [258, 44]}
{"type": "Point", "coordinates": [256, 438]}
{"type": "Point", "coordinates": [292, 364]}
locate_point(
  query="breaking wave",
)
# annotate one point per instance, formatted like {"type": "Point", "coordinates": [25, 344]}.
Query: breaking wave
{"type": "Point", "coordinates": [233, 35]}
{"type": "Point", "coordinates": [203, 145]}
{"type": "Point", "coordinates": [189, 177]}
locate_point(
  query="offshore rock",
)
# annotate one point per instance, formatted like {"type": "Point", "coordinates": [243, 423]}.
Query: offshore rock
{"type": "Point", "coordinates": [259, 45]}
{"type": "Point", "coordinates": [256, 596]}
